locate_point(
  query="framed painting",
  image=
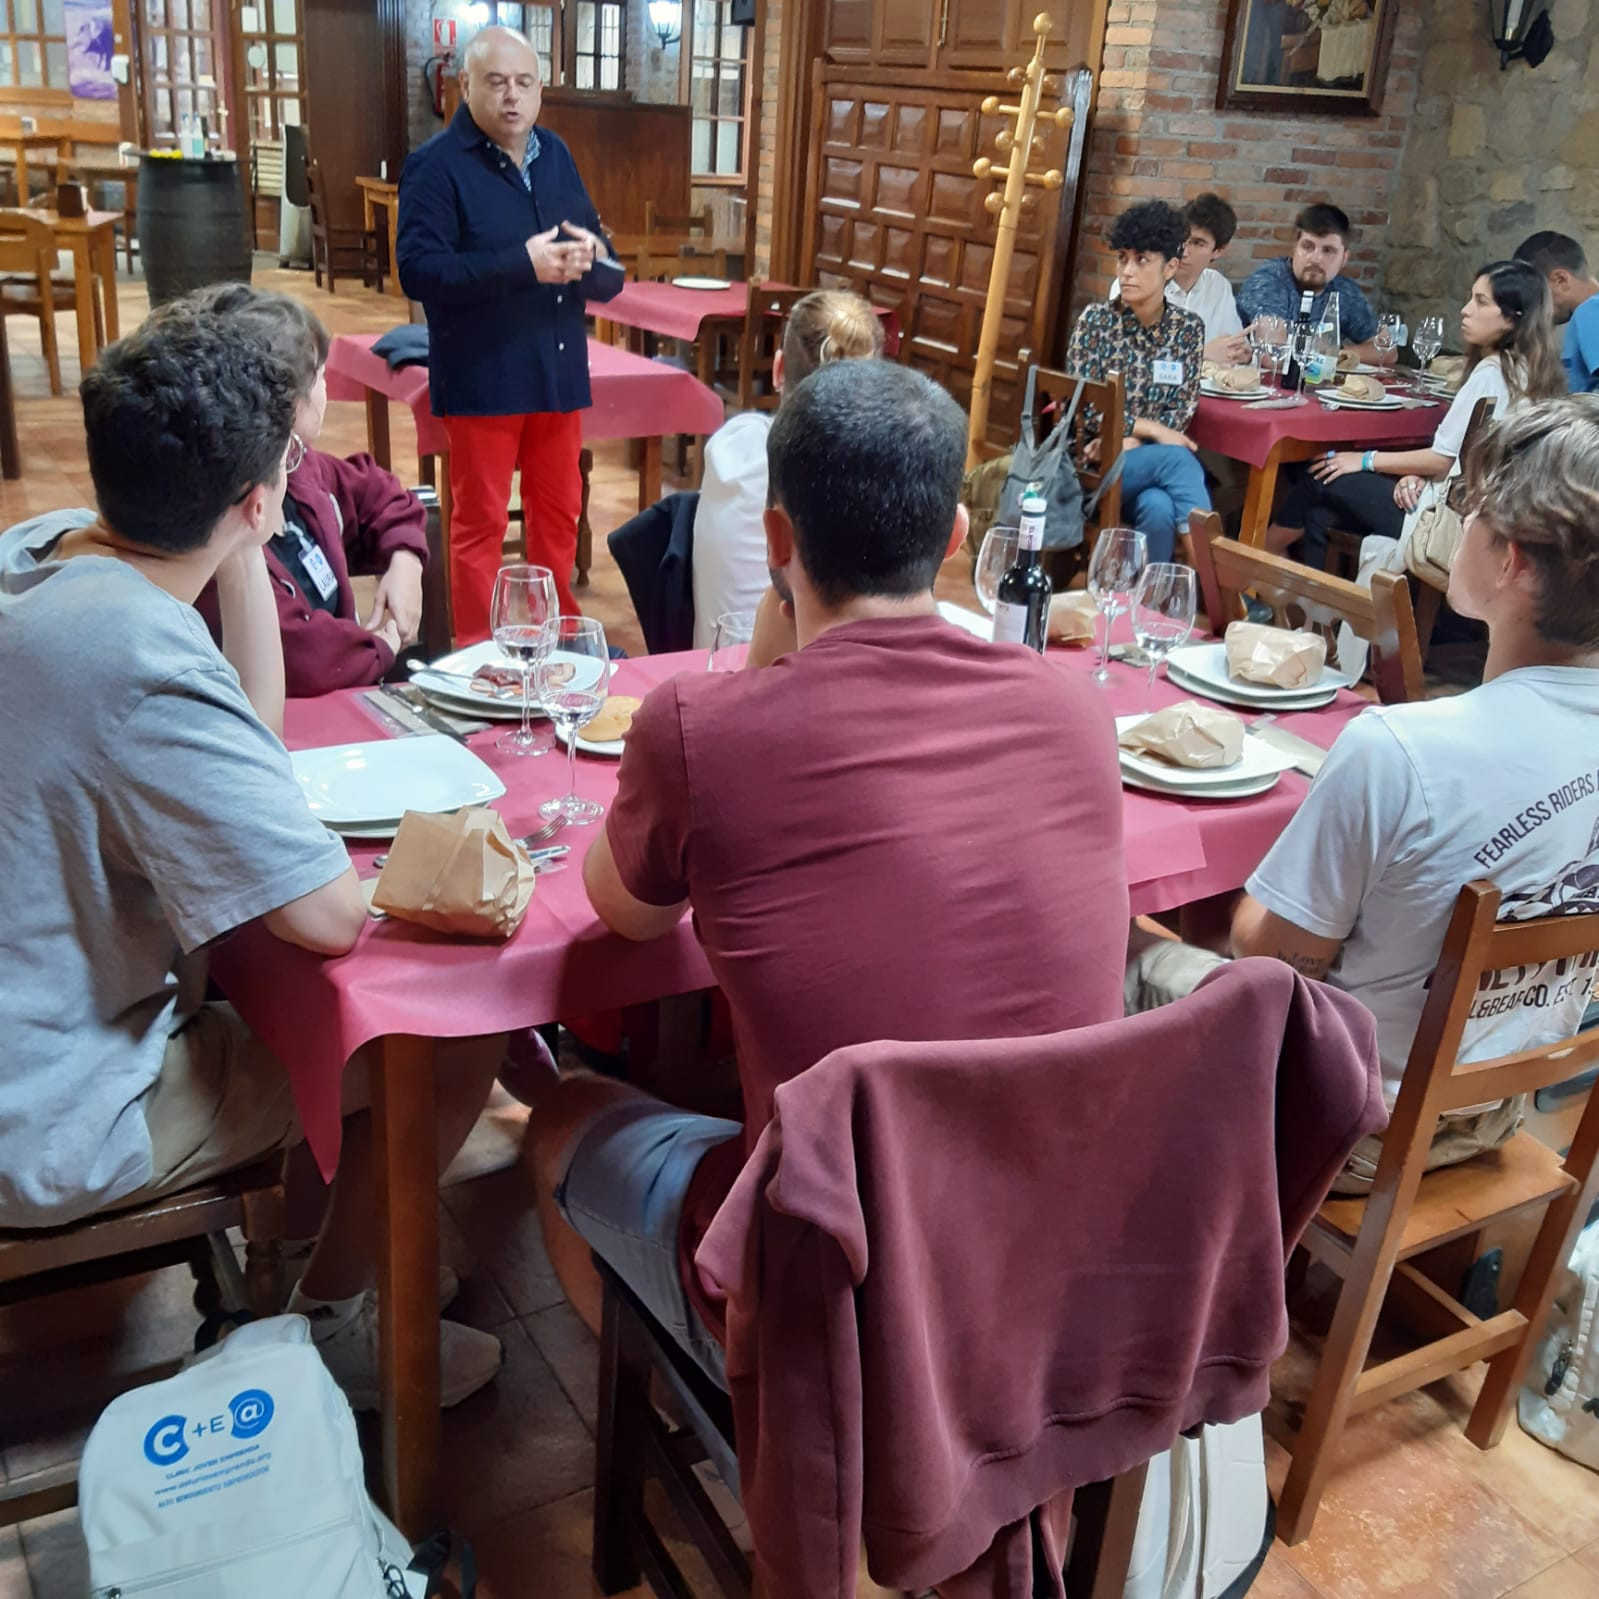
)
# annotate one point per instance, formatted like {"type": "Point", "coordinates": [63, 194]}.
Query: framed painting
{"type": "Point", "coordinates": [1306, 55]}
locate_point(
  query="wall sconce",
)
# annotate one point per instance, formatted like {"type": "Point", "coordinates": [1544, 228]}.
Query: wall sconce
{"type": "Point", "coordinates": [1520, 30]}
{"type": "Point", "coordinates": [666, 17]}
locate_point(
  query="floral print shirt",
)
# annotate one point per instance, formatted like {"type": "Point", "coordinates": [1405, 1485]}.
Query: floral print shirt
{"type": "Point", "coordinates": [1110, 338]}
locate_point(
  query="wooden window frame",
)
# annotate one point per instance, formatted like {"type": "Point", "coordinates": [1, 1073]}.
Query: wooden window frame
{"type": "Point", "coordinates": [570, 53]}
{"type": "Point", "coordinates": [42, 94]}
{"type": "Point", "coordinates": [714, 180]}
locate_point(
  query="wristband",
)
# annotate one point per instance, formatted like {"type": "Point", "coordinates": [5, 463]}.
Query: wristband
{"type": "Point", "coordinates": [1368, 462]}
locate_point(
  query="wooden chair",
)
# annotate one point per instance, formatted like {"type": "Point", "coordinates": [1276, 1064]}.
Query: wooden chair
{"type": "Point", "coordinates": [1105, 400]}
{"type": "Point", "coordinates": [665, 234]}
{"type": "Point", "coordinates": [764, 321]}
{"type": "Point", "coordinates": [329, 243]}
{"type": "Point", "coordinates": [1302, 597]}
{"type": "Point", "coordinates": [188, 1226]}
{"type": "Point", "coordinates": [1372, 1241]}
{"type": "Point", "coordinates": [635, 1444]}
{"type": "Point", "coordinates": [31, 285]}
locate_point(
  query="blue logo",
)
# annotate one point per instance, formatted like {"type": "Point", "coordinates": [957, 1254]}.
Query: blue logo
{"type": "Point", "coordinates": [251, 1411]}
{"type": "Point", "coordinates": [164, 1444]}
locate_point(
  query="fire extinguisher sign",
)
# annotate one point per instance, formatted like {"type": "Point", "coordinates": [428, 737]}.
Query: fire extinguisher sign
{"type": "Point", "coordinates": [443, 34]}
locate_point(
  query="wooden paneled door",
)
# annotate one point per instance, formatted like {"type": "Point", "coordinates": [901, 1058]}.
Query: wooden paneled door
{"type": "Point", "coordinates": [950, 33]}
{"type": "Point", "coordinates": [268, 49]}
{"type": "Point", "coordinates": [185, 69]}
{"type": "Point", "coordinates": [896, 214]}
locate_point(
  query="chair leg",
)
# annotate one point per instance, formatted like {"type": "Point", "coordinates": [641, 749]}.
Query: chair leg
{"type": "Point", "coordinates": [47, 339]}
{"type": "Point", "coordinates": [1427, 603]}
{"type": "Point", "coordinates": [585, 529]}
{"type": "Point", "coordinates": [1107, 1523]}
{"type": "Point", "coordinates": [263, 1252]}
{"type": "Point", "coordinates": [619, 1459]}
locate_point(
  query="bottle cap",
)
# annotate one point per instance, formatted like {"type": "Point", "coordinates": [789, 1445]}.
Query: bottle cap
{"type": "Point", "coordinates": [1033, 503]}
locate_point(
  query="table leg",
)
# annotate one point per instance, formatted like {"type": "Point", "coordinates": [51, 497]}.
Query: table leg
{"type": "Point", "coordinates": [649, 472]}
{"type": "Point", "coordinates": [1263, 489]}
{"type": "Point", "coordinates": [83, 292]}
{"type": "Point", "coordinates": [408, 1271]}
{"type": "Point", "coordinates": [377, 428]}
{"type": "Point", "coordinates": [369, 224]}
{"type": "Point", "coordinates": [392, 209]}
{"type": "Point", "coordinates": [446, 505]}
{"type": "Point", "coordinates": [10, 454]}
{"type": "Point", "coordinates": [585, 528]}
{"type": "Point", "coordinates": [22, 177]}
{"type": "Point", "coordinates": [105, 250]}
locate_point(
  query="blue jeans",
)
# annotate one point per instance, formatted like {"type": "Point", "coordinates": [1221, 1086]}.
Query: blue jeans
{"type": "Point", "coordinates": [1161, 484]}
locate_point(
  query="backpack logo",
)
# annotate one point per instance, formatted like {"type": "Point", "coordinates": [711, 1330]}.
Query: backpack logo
{"type": "Point", "coordinates": [252, 1411]}
{"type": "Point", "coordinates": [164, 1444]}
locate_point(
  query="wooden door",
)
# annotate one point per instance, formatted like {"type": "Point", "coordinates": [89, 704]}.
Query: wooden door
{"type": "Point", "coordinates": [904, 33]}
{"type": "Point", "coordinates": [987, 33]}
{"type": "Point", "coordinates": [847, 30]}
{"type": "Point", "coordinates": [184, 69]}
{"type": "Point", "coordinates": [896, 215]}
{"type": "Point", "coordinates": [268, 56]}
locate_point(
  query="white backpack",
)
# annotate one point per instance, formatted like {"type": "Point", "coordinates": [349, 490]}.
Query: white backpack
{"type": "Point", "coordinates": [1560, 1404]}
{"type": "Point", "coordinates": [239, 1478]}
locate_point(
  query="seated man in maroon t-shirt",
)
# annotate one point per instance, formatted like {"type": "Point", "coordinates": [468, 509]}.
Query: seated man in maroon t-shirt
{"type": "Point", "coordinates": [896, 831]}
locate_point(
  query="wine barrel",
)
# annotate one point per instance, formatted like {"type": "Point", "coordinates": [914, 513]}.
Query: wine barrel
{"type": "Point", "coordinates": [194, 225]}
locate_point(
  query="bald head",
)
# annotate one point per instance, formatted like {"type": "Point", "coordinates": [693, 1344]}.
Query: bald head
{"type": "Point", "coordinates": [501, 86]}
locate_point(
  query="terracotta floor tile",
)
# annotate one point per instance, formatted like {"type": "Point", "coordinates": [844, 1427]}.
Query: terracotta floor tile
{"type": "Point", "coordinates": [1589, 1556]}
{"type": "Point", "coordinates": [1570, 1579]}
{"type": "Point", "coordinates": [514, 1445]}
{"type": "Point", "coordinates": [541, 1554]}
{"type": "Point", "coordinates": [58, 1563]}
{"type": "Point", "coordinates": [14, 1582]}
{"type": "Point", "coordinates": [495, 1215]}
{"type": "Point", "coordinates": [573, 1352]}
{"type": "Point", "coordinates": [1279, 1580]}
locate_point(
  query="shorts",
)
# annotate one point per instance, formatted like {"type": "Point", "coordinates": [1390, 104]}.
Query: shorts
{"type": "Point", "coordinates": [626, 1174]}
{"type": "Point", "coordinates": [222, 1102]}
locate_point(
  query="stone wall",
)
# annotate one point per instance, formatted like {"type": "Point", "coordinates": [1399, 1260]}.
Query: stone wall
{"type": "Point", "coordinates": [1158, 136]}
{"type": "Point", "coordinates": [1493, 155]}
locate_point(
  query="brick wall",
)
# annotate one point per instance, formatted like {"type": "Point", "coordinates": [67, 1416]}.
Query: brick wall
{"type": "Point", "coordinates": [1158, 136]}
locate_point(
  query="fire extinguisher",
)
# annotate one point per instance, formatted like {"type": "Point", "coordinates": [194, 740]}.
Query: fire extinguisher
{"type": "Point", "coordinates": [434, 71]}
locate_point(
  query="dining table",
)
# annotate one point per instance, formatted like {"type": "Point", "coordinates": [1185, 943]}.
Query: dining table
{"type": "Point", "coordinates": [402, 987]}
{"type": "Point", "coordinates": [92, 242]}
{"type": "Point", "coordinates": [1266, 437]}
{"type": "Point", "coordinates": [383, 194]}
{"type": "Point", "coordinates": [631, 398]}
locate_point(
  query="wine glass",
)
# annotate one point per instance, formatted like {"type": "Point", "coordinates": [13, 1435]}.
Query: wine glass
{"type": "Point", "coordinates": [1119, 556]}
{"type": "Point", "coordinates": [1429, 340]}
{"type": "Point", "coordinates": [524, 600]}
{"type": "Point", "coordinates": [1391, 332]}
{"type": "Point", "coordinates": [573, 673]}
{"type": "Point", "coordinates": [994, 559]}
{"type": "Point", "coordinates": [1274, 340]}
{"type": "Point", "coordinates": [1163, 614]}
{"type": "Point", "coordinates": [730, 643]}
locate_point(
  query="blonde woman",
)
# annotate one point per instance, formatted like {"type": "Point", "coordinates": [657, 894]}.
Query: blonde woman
{"type": "Point", "coordinates": [729, 569]}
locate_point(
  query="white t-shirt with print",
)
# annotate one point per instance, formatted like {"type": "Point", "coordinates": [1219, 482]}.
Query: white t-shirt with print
{"type": "Point", "coordinates": [1417, 800]}
{"type": "Point", "coordinates": [729, 570]}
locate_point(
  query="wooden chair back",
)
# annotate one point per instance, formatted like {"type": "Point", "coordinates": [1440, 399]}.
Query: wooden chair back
{"type": "Point", "coordinates": [684, 223]}
{"type": "Point", "coordinates": [1301, 597]}
{"type": "Point", "coordinates": [765, 317]}
{"type": "Point", "coordinates": [27, 246]}
{"type": "Point", "coordinates": [188, 1226]}
{"type": "Point", "coordinates": [669, 239]}
{"type": "Point", "coordinates": [1371, 1241]}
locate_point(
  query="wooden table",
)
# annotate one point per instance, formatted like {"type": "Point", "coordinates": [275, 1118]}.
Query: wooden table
{"type": "Point", "coordinates": [375, 193]}
{"type": "Point", "coordinates": [92, 239]}
{"type": "Point", "coordinates": [1267, 440]}
{"type": "Point", "coordinates": [99, 165]}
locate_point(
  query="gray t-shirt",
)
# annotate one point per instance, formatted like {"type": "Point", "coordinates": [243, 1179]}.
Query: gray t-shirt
{"type": "Point", "coordinates": [145, 810]}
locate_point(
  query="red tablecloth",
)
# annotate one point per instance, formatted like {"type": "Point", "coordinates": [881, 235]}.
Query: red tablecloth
{"type": "Point", "coordinates": [1233, 429]}
{"type": "Point", "coordinates": [314, 1014]}
{"type": "Point", "coordinates": [676, 313]}
{"type": "Point", "coordinates": [633, 398]}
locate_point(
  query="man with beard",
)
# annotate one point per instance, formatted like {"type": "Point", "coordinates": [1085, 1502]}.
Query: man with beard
{"type": "Point", "coordinates": [1321, 247]}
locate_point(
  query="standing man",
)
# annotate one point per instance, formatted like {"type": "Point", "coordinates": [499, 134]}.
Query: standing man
{"type": "Point", "coordinates": [1321, 247]}
{"type": "Point", "coordinates": [500, 242]}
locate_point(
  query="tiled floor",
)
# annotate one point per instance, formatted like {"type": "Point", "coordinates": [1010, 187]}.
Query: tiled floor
{"type": "Point", "coordinates": [1415, 1510]}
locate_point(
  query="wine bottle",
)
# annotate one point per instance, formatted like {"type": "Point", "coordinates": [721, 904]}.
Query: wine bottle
{"type": "Point", "coordinates": [1299, 339]}
{"type": "Point", "coordinates": [1021, 609]}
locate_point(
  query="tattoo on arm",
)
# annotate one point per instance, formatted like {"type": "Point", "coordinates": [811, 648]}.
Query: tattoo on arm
{"type": "Point", "coordinates": [1305, 965]}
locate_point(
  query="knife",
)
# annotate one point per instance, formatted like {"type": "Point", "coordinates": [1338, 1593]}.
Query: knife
{"type": "Point", "coordinates": [418, 721]}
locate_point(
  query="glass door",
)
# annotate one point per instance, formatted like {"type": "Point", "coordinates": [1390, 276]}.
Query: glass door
{"type": "Point", "coordinates": [183, 49]}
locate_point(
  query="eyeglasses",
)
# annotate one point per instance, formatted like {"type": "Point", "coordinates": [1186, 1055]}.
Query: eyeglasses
{"type": "Point", "coordinates": [294, 455]}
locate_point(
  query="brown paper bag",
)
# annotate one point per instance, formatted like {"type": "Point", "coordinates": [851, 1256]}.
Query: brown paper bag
{"type": "Point", "coordinates": [1276, 656]}
{"type": "Point", "coordinates": [1072, 618]}
{"type": "Point", "coordinates": [459, 873]}
{"type": "Point", "coordinates": [1188, 735]}
{"type": "Point", "coordinates": [1239, 379]}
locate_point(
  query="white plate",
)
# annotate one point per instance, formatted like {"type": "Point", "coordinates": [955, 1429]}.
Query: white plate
{"type": "Point", "coordinates": [701, 283]}
{"type": "Point", "coordinates": [1229, 791]}
{"type": "Point", "coordinates": [1389, 402]}
{"type": "Point", "coordinates": [456, 696]}
{"type": "Point", "coordinates": [1261, 392]}
{"type": "Point", "coordinates": [365, 785]}
{"type": "Point", "coordinates": [1206, 665]}
{"type": "Point", "coordinates": [1313, 701]}
{"type": "Point", "coordinates": [1257, 760]}
{"type": "Point", "coordinates": [587, 746]}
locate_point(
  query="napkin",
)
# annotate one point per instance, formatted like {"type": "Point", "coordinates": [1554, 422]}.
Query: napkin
{"type": "Point", "coordinates": [1275, 656]}
{"type": "Point", "coordinates": [1361, 386]}
{"type": "Point", "coordinates": [1238, 379]}
{"type": "Point", "coordinates": [1188, 734]}
{"type": "Point", "coordinates": [459, 873]}
{"type": "Point", "coordinates": [1450, 368]}
{"type": "Point", "coordinates": [1072, 618]}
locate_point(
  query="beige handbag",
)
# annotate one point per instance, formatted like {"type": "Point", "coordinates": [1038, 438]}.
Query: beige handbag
{"type": "Point", "coordinates": [1434, 538]}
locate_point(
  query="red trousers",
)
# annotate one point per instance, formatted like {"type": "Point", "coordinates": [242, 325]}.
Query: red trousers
{"type": "Point", "coordinates": [484, 452]}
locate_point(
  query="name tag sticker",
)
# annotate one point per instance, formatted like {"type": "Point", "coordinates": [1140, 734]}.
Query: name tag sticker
{"type": "Point", "coordinates": [318, 570]}
{"type": "Point", "coordinates": [1166, 371]}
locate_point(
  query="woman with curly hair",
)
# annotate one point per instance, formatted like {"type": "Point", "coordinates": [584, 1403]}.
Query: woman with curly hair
{"type": "Point", "coordinates": [1159, 350]}
{"type": "Point", "coordinates": [1508, 329]}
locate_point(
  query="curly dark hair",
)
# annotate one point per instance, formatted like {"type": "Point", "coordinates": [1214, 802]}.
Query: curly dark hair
{"type": "Point", "coordinates": [184, 418]}
{"type": "Point", "coordinates": [284, 325]}
{"type": "Point", "coordinates": [1153, 226]}
{"type": "Point", "coordinates": [1213, 214]}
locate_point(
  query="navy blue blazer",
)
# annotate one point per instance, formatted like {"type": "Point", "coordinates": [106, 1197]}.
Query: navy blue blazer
{"type": "Point", "coordinates": [500, 342]}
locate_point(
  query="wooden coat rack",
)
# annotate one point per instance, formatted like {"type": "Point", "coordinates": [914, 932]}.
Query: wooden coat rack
{"type": "Point", "coordinates": [1007, 206]}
